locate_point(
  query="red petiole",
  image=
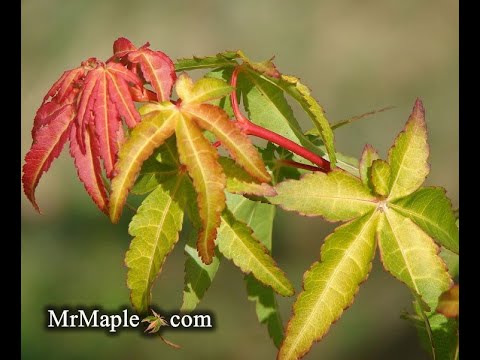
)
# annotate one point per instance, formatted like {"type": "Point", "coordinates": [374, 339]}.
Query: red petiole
{"type": "Point", "coordinates": [250, 128]}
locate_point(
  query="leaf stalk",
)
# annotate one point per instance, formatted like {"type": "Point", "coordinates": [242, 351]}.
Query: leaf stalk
{"type": "Point", "coordinates": [250, 128]}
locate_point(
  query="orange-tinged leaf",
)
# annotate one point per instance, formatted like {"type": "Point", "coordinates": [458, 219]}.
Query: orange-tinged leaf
{"type": "Point", "coordinates": [200, 158]}
{"type": "Point", "coordinates": [157, 69]}
{"type": "Point", "coordinates": [47, 146]}
{"type": "Point", "coordinates": [107, 124]}
{"type": "Point", "coordinates": [448, 303]}
{"type": "Point", "coordinates": [88, 167]}
{"type": "Point", "coordinates": [214, 119]}
{"type": "Point", "coordinates": [149, 134]}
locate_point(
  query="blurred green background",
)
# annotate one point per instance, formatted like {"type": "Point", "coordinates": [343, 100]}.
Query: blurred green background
{"type": "Point", "coordinates": [355, 56]}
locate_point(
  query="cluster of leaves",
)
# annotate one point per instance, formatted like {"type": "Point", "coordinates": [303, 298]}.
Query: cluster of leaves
{"type": "Point", "coordinates": [86, 106]}
{"type": "Point", "coordinates": [170, 158]}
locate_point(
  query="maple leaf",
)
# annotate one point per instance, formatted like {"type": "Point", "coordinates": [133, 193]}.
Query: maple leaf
{"type": "Point", "coordinates": [385, 207]}
{"type": "Point", "coordinates": [86, 106]}
{"type": "Point", "coordinates": [186, 119]}
{"type": "Point", "coordinates": [158, 221]}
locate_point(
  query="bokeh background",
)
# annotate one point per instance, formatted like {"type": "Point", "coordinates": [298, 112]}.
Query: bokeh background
{"type": "Point", "coordinates": [355, 56]}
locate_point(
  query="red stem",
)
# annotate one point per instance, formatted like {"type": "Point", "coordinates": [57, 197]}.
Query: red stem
{"type": "Point", "coordinates": [299, 165]}
{"type": "Point", "coordinates": [250, 128]}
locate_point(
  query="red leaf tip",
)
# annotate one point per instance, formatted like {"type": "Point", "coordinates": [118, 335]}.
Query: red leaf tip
{"type": "Point", "coordinates": [418, 109]}
{"type": "Point", "coordinates": [123, 44]}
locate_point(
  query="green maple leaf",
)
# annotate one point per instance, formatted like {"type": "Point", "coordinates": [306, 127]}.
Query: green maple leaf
{"type": "Point", "coordinates": [386, 208]}
{"type": "Point", "coordinates": [158, 221]}
{"type": "Point", "coordinates": [186, 120]}
{"type": "Point", "coordinates": [262, 88]}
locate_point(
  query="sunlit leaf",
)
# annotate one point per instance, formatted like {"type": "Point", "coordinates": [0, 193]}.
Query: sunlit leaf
{"type": "Point", "coordinates": [266, 106]}
{"type": "Point", "coordinates": [47, 146]}
{"type": "Point", "coordinates": [144, 139]}
{"type": "Point", "coordinates": [89, 168]}
{"type": "Point", "coordinates": [408, 156]}
{"type": "Point", "coordinates": [236, 242]}
{"type": "Point", "coordinates": [157, 69]}
{"type": "Point", "coordinates": [334, 196]}
{"type": "Point", "coordinates": [240, 182]}
{"type": "Point", "coordinates": [162, 165]}
{"type": "Point", "coordinates": [411, 256]}
{"type": "Point", "coordinates": [155, 228]}
{"type": "Point", "coordinates": [430, 209]}
{"type": "Point", "coordinates": [369, 155]}
{"type": "Point", "coordinates": [203, 90]}
{"type": "Point", "coordinates": [380, 176]}
{"type": "Point", "coordinates": [239, 146]}
{"type": "Point", "coordinates": [200, 158]}
{"type": "Point", "coordinates": [330, 285]}
{"type": "Point", "coordinates": [301, 93]}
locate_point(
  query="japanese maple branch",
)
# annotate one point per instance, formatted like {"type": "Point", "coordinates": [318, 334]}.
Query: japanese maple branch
{"type": "Point", "coordinates": [250, 128]}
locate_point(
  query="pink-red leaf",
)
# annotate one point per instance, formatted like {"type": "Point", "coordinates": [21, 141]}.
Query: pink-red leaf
{"type": "Point", "coordinates": [107, 124]}
{"type": "Point", "coordinates": [157, 69]}
{"type": "Point", "coordinates": [122, 46]}
{"type": "Point", "coordinates": [85, 105]}
{"type": "Point", "coordinates": [65, 85]}
{"type": "Point", "coordinates": [88, 167]}
{"type": "Point", "coordinates": [47, 146]}
{"type": "Point", "coordinates": [120, 95]}
{"type": "Point", "coordinates": [48, 111]}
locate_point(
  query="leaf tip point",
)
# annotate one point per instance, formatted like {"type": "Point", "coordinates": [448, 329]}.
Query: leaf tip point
{"type": "Point", "coordinates": [418, 109]}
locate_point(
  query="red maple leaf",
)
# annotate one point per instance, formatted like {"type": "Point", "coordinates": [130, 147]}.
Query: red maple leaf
{"type": "Point", "coordinates": [86, 106]}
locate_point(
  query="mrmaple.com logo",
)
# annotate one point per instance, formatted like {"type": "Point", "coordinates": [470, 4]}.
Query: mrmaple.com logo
{"type": "Point", "coordinates": [123, 320]}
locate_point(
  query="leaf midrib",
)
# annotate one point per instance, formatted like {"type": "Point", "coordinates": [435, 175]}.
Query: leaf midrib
{"type": "Point", "coordinates": [204, 185]}
{"type": "Point", "coordinates": [105, 120]}
{"type": "Point", "coordinates": [119, 93]}
{"type": "Point", "coordinates": [407, 265]}
{"type": "Point", "coordinates": [374, 201]}
{"type": "Point", "coordinates": [160, 227]}
{"type": "Point", "coordinates": [154, 74]}
{"type": "Point", "coordinates": [404, 156]}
